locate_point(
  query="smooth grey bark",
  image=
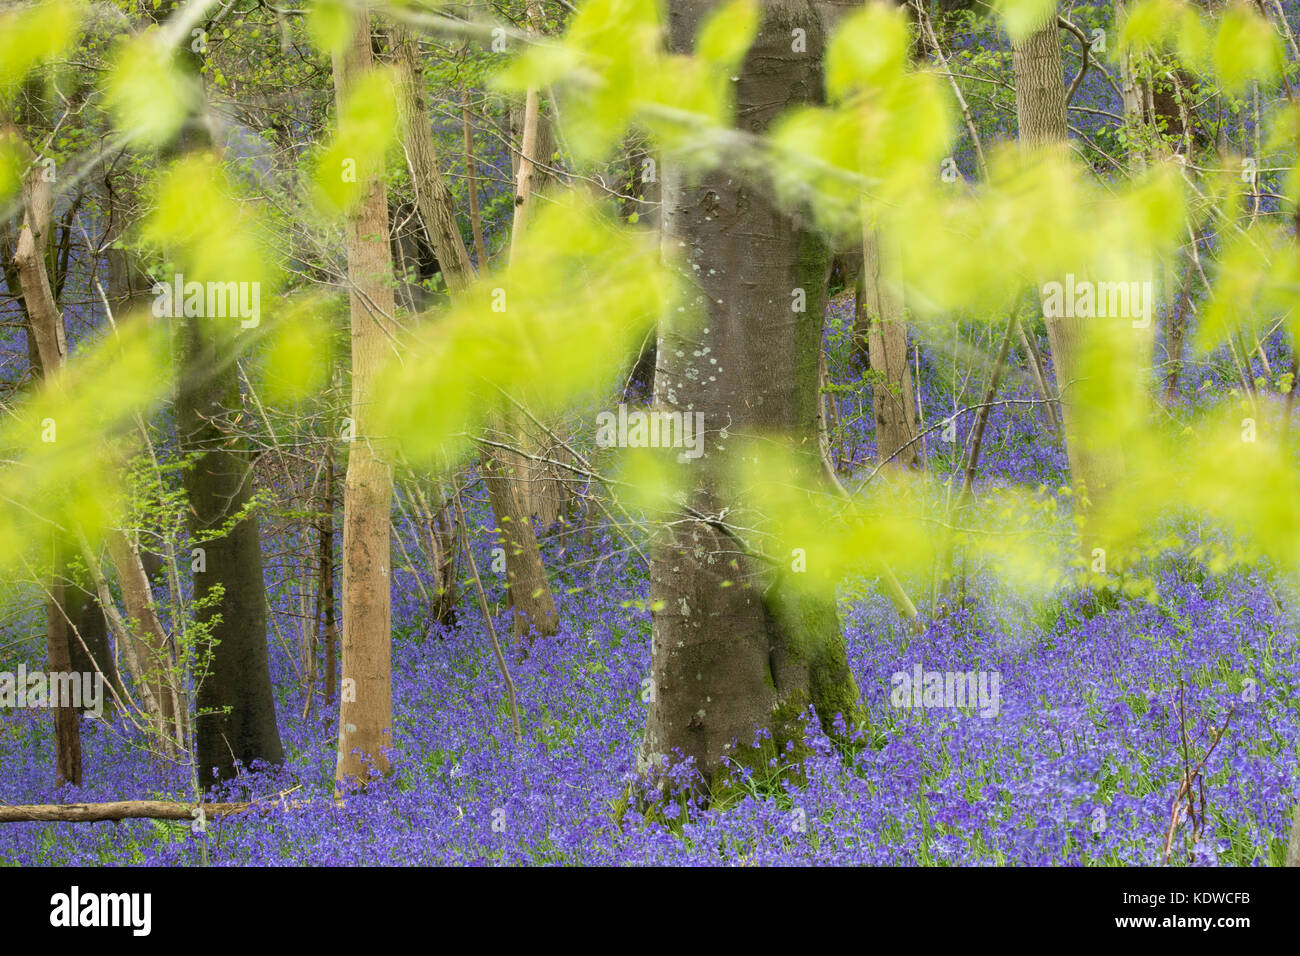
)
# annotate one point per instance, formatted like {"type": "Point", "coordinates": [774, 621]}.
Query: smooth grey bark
{"type": "Point", "coordinates": [235, 699]}
{"type": "Point", "coordinates": [734, 649]}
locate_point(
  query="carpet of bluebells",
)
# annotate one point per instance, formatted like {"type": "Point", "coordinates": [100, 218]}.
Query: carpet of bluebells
{"type": "Point", "coordinates": [1079, 767]}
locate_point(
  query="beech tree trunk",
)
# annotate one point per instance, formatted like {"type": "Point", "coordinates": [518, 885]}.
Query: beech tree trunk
{"type": "Point", "coordinates": [235, 696]}
{"type": "Point", "coordinates": [734, 649]}
{"type": "Point", "coordinates": [366, 700]}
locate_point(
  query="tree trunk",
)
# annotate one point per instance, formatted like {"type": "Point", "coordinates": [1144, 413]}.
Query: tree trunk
{"type": "Point", "coordinates": [541, 493]}
{"type": "Point", "coordinates": [471, 184]}
{"type": "Point", "coordinates": [1040, 111]}
{"type": "Point", "coordinates": [366, 701]}
{"type": "Point", "coordinates": [45, 324]}
{"type": "Point", "coordinates": [152, 648]}
{"type": "Point", "coordinates": [325, 590]}
{"type": "Point", "coordinates": [527, 588]}
{"type": "Point", "coordinates": [235, 696]}
{"type": "Point", "coordinates": [88, 646]}
{"type": "Point", "coordinates": [219, 486]}
{"type": "Point", "coordinates": [734, 650]}
{"type": "Point", "coordinates": [432, 198]}
{"type": "Point", "coordinates": [879, 315]}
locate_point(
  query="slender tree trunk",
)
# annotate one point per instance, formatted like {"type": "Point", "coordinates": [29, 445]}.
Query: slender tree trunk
{"type": "Point", "coordinates": [325, 584]}
{"type": "Point", "coordinates": [1174, 332]}
{"type": "Point", "coordinates": [366, 701]}
{"type": "Point", "coordinates": [432, 198]}
{"type": "Point", "coordinates": [1137, 136]}
{"type": "Point", "coordinates": [527, 588]}
{"type": "Point", "coordinates": [1096, 466]}
{"type": "Point", "coordinates": [1034, 361]}
{"type": "Point", "coordinates": [505, 473]}
{"type": "Point", "coordinates": [529, 143]}
{"type": "Point", "coordinates": [88, 645]}
{"type": "Point", "coordinates": [735, 649]}
{"type": "Point", "coordinates": [971, 466]}
{"type": "Point", "coordinates": [471, 181]}
{"type": "Point", "coordinates": [509, 477]}
{"type": "Point", "coordinates": [67, 718]}
{"type": "Point", "coordinates": [45, 323]}
{"type": "Point", "coordinates": [152, 649]}
{"type": "Point", "coordinates": [540, 493]}
{"type": "Point", "coordinates": [880, 317]}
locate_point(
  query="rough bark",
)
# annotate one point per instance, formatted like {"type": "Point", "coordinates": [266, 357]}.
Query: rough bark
{"type": "Point", "coordinates": [735, 650]}
{"type": "Point", "coordinates": [471, 184]}
{"type": "Point", "coordinates": [366, 701]}
{"type": "Point", "coordinates": [432, 198]}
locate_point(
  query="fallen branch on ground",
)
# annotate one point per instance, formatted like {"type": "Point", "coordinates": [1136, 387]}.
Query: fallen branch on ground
{"type": "Point", "coordinates": [139, 810]}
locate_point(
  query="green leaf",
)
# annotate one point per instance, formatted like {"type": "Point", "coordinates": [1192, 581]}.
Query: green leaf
{"type": "Point", "coordinates": [868, 49]}
{"type": "Point", "coordinates": [1023, 17]}
{"type": "Point", "coordinates": [33, 35]}
{"type": "Point", "coordinates": [727, 33]}
{"type": "Point", "coordinates": [148, 94]}
{"type": "Point", "coordinates": [367, 130]}
{"type": "Point", "coordinates": [1246, 49]}
{"type": "Point", "coordinates": [329, 23]}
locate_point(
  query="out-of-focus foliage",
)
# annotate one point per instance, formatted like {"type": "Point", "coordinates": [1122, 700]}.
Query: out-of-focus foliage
{"type": "Point", "coordinates": [580, 294]}
{"type": "Point", "coordinates": [1243, 48]}
{"type": "Point", "coordinates": [148, 92]}
{"type": "Point", "coordinates": [61, 471]}
{"type": "Point", "coordinates": [205, 231]}
{"type": "Point", "coordinates": [883, 138]}
{"type": "Point", "coordinates": [366, 131]}
{"type": "Point", "coordinates": [612, 63]}
{"type": "Point", "coordinates": [31, 35]}
{"type": "Point", "coordinates": [298, 355]}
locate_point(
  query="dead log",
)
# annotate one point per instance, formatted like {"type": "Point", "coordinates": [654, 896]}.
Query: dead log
{"type": "Point", "coordinates": [139, 810]}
